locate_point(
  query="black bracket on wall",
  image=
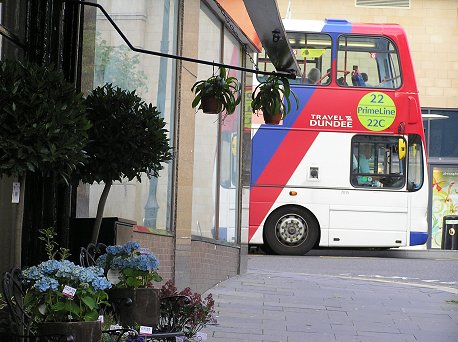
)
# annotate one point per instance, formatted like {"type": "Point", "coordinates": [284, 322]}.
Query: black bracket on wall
{"type": "Point", "coordinates": [181, 58]}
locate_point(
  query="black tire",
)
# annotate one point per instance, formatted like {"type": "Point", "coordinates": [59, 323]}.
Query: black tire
{"type": "Point", "coordinates": [266, 249]}
{"type": "Point", "coordinates": [291, 231]}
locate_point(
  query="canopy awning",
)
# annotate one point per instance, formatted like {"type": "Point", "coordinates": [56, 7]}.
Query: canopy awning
{"type": "Point", "coordinates": [258, 22]}
{"type": "Point", "coordinates": [267, 22]}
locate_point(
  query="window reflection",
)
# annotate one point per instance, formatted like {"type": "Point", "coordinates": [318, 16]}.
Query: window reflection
{"type": "Point", "coordinates": [106, 59]}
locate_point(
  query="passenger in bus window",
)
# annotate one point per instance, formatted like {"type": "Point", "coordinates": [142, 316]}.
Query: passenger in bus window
{"type": "Point", "coordinates": [364, 156]}
{"type": "Point", "coordinates": [365, 153]}
{"type": "Point", "coordinates": [365, 79]}
{"type": "Point", "coordinates": [386, 83]}
{"type": "Point", "coordinates": [313, 76]}
{"type": "Point", "coordinates": [341, 81]}
{"type": "Point", "coordinates": [356, 78]}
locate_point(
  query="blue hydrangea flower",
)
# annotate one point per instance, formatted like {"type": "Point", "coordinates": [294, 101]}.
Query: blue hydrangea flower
{"type": "Point", "coordinates": [50, 274]}
{"type": "Point", "coordinates": [45, 283]}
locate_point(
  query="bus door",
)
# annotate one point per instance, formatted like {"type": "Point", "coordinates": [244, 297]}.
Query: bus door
{"type": "Point", "coordinates": [375, 211]}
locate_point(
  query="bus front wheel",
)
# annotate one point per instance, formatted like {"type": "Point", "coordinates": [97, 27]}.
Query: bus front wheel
{"type": "Point", "coordinates": [291, 231]}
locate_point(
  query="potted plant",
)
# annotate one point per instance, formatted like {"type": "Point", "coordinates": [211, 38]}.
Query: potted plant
{"type": "Point", "coordinates": [217, 93]}
{"type": "Point", "coordinates": [189, 314]}
{"type": "Point", "coordinates": [127, 138]}
{"type": "Point", "coordinates": [43, 128]}
{"type": "Point", "coordinates": [132, 270]}
{"type": "Point", "coordinates": [64, 298]}
{"type": "Point", "coordinates": [268, 97]}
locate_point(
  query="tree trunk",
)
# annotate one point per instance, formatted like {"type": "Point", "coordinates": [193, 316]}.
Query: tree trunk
{"type": "Point", "coordinates": [100, 209]}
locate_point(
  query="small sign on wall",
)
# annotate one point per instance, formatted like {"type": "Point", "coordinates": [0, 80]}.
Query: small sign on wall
{"type": "Point", "coordinates": [16, 192]}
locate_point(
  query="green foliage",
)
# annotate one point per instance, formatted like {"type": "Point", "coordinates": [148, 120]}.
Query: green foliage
{"type": "Point", "coordinates": [127, 137]}
{"type": "Point", "coordinates": [55, 307]}
{"type": "Point", "coordinates": [225, 89]}
{"type": "Point", "coordinates": [118, 65]}
{"type": "Point", "coordinates": [45, 299]}
{"type": "Point", "coordinates": [137, 266]}
{"type": "Point", "coordinates": [5, 320]}
{"type": "Point", "coordinates": [43, 126]}
{"type": "Point", "coordinates": [47, 235]}
{"type": "Point", "coordinates": [182, 315]}
{"type": "Point", "coordinates": [268, 96]}
{"type": "Point", "coordinates": [131, 277]}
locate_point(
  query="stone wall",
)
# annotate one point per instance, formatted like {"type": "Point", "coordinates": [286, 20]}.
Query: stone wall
{"type": "Point", "coordinates": [163, 247]}
{"type": "Point", "coordinates": [212, 263]}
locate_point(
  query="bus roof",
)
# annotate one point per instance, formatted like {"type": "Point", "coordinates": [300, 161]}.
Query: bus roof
{"type": "Point", "coordinates": [340, 26]}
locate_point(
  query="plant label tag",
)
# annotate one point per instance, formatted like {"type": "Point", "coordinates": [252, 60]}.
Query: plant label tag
{"type": "Point", "coordinates": [144, 251]}
{"type": "Point", "coordinates": [201, 336]}
{"type": "Point", "coordinates": [100, 318]}
{"type": "Point", "coordinates": [115, 327]}
{"type": "Point", "coordinates": [113, 276]}
{"type": "Point", "coordinates": [69, 291]}
{"type": "Point", "coordinates": [146, 330]}
{"type": "Point", "coordinates": [16, 192]}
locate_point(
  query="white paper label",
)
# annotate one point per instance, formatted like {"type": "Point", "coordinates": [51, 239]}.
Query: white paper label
{"type": "Point", "coordinates": [115, 327]}
{"type": "Point", "coordinates": [69, 291]}
{"type": "Point", "coordinates": [16, 192]}
{"type": "Point", "coordinates": [100, 318]}
{"type": "Point", "coordinates": [146, 330]}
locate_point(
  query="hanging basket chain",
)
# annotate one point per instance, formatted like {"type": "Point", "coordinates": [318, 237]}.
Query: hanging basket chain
{"type": "Point", "coordinates": [236, 35]}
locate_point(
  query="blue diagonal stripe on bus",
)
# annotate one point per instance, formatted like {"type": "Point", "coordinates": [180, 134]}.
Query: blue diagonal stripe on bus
{"type": "Point", "coordinates": [270, 142]}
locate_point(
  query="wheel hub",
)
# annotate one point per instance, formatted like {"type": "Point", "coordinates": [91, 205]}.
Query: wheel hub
{"type": "Point", "coordinates": [291, 230]}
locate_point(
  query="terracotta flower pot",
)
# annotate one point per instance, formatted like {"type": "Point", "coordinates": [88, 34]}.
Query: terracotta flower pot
{"type": "Point", "coordinates": [210, 105]}
{"type": "Point", "coordinates": [272, 119]}
{"type": "Point", "coordinates": [80, 331]}
{"type": "Point", "coordinates": [139, 306]}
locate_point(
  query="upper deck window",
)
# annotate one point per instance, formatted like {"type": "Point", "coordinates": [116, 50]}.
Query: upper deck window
{"type": "Point", "coordinates": [313, 54]}
{"type": "Point", "coordinates": [368, 62]}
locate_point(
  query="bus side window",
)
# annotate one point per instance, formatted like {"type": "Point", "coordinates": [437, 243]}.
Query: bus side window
{"type": "Point", "coordinates": [415, 163]}
{"type": "Point", "coordinates": [367, 62]}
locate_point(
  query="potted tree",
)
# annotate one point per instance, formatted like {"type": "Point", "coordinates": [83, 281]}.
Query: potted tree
{"type": "Point", "coordinates": [268, 97]}
{"type": "Point", "coordinates": [127, 138]}
{"type": "Point", "coordinates": [43, 128]}
{"type": "Point", "coordinates": [217, 93]}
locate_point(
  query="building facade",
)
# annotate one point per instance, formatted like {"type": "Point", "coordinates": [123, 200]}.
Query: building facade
{"type": "Point", "coordinates": [189, 216]}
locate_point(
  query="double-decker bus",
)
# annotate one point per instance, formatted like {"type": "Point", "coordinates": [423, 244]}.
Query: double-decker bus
{"type": "Point", "coordinates": [348, 168]}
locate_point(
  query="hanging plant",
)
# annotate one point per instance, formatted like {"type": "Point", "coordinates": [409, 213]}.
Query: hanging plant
{"type": "Point", "coordinates": [268, 97]}
{"type": "Point", "coordinates": [217, 93]}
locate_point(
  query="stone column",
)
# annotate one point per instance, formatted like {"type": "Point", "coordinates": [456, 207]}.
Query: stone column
{"type": "Point", "coordinates": [185, 126]}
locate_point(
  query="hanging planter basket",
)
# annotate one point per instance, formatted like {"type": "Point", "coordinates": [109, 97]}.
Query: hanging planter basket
{"type": "Point", "coordinates": [272, 119]}
{"type": "Point", "coordinates": [136, 306]}
{"type": "Point", "coordinates": [210, 105]}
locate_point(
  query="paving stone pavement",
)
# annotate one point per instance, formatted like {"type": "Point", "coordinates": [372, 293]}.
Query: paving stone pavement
{"type": "Point", "coordinates": [289, 307]}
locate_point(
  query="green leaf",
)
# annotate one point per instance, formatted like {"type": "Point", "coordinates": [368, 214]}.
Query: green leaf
{"type": "Point", "coordinates": [90, 302]}
{"type": "Point", "coordinates": [72, 307]}
{"type": "Point", "coordinates": [91, 316]}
